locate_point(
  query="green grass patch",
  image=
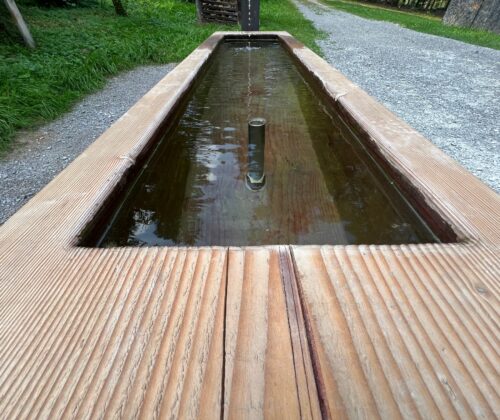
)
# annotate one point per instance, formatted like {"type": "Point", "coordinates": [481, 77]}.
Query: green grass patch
{"type": "Point", "coordinates": [78, 48]}
{"type": "Point", "coordinates": [418, 22]}
{"type": "Point", "coordinates": [282, 15]}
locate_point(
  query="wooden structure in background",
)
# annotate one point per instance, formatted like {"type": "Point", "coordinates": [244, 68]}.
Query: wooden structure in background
{"type": "Point", "coordinates": [409, 331]}
{"type": "Point", "coordinates": [218, 11]}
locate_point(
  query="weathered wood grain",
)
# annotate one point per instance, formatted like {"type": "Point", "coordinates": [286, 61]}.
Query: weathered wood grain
{"type": "Point", "coordinates": [141, 337]}
{"type": "Point", "coordinates": [387, 342]}
{"type": "Point", "coordinates": [267, 373]}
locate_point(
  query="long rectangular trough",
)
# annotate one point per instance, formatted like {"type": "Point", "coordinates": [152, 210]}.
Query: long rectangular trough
{"type": "Point", "coordinates": [277, 329]}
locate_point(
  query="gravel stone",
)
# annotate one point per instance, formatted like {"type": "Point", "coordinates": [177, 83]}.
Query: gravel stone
{"type": "Point", "coordinates": [447, 90]}
{"type": "Point", "coordinates": [40, 155]}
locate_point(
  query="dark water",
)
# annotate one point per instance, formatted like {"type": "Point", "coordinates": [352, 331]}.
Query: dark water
{"type": "Point", "coordinates": [321, 186]}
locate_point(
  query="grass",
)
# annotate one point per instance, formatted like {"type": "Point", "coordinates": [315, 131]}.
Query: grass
{"type": "Point", "coordinates": [78, 48]}
{"type": "Point", "coordinates": [282, 15]}
{"type": "Point", "coordinates": [418, 22]}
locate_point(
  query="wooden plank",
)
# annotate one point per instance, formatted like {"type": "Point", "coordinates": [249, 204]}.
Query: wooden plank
{"type": "Point", "coordinates": [210, 19]}
{"type": "Point", "coordinates": [265, 372]}
{"type": "Point", "coordinates": [221, 3]}
{"type": "Point", "coordinates": [140, 334]}
{"type": "Point", "coordinates": [217, 15]}
{"type": "Point", "coordinates": [387, 343]}
{"type": "Point", "coordinates": [306, 381]}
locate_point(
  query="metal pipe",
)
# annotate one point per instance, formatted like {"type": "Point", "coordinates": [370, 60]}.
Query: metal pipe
{"type": "Point", "coordinates": [249, 16]}
{"type": "Point", "coordinates": [256, 177]}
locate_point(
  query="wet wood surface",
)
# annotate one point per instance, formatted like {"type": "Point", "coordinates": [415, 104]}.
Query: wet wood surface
{"type": "Point", "coordinates": [278, 332]}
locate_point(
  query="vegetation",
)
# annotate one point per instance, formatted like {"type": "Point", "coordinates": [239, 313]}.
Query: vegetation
{"type": "Point", "coordinates": [418, 22]}
{"type": "Point", "coordinates": [78, 47]}
{"type": "Point", "coordinates": [282, 15]}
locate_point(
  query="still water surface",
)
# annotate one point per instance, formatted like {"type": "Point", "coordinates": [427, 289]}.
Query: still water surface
{"type": "Point", "coordinates": [321, 186]}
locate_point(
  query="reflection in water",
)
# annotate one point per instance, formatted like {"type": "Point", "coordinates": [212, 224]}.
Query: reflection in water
{"type": "Point", "coordinates": [321, 187]}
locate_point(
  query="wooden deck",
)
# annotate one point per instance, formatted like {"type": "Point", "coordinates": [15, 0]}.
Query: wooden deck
{"type": "Point", "coordinates": [280, 332]}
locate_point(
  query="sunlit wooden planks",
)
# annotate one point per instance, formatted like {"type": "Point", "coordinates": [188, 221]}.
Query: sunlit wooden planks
{"type": "Point", "coordinates": [398, 331]}
{"type": "Point", "coordinates": [267, 371]}
{"type": "Point", "coordinates": [132, 333]}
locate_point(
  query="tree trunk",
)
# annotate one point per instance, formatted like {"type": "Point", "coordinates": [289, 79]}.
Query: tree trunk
{"type": "Point", "coordinates": [21, 24]}
{"type": "Point", "coordinates": [119, 9]}
{"type": "Point", "coordinates": [481, 14]}
{"type": "Point", "coordinates": [488, 16]}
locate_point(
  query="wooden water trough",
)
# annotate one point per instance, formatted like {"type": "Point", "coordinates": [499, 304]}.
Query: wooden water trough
{"type": "Point", "coordinates": [408, 331]}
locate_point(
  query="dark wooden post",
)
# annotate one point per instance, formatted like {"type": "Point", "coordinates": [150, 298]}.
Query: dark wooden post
{"type": "Point", "coordinates": [249, 17]}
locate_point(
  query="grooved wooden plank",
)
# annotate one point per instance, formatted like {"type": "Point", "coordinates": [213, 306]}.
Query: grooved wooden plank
{"type": "Point", "coordinates": [210, 19]}
{"type": "Point", "coordinates": [210, 13]}
{"type": "Point", "coordinates": [221, 3]}
{"type": "Point", "coordinates": [304, 373]}
{"type": "Point", "coordinates": [219, 18]}
{"type": "Point", "coordinates": [208, 9]}
{"type": "Point", "coordinates": [141, 333]}
{"type": "Point", "coordinates": [386, 345]}
{"type": "Point", "coordinates": [261, 379]}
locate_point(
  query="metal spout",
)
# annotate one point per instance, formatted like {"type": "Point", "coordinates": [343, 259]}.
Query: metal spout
{"type": "Point", "coordinates": [249, 15]}
{"type": "Point", "coordinates": [256, 145]}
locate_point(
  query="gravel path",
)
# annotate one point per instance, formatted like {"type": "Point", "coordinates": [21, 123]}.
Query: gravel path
{"type": "Point", "coordinates": [446, 89]}
{"type": "Point", "coordinates": [42, 154]}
